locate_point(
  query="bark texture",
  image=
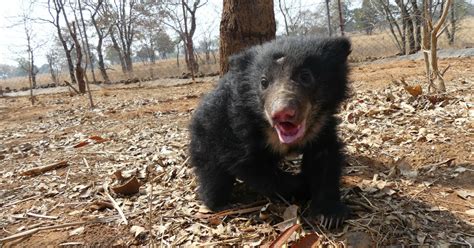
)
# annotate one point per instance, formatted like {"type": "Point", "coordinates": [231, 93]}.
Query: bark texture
{"type": "Point", "coordinates": [244, 24]}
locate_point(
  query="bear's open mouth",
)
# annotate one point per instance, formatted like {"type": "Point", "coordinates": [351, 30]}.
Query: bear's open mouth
{"type": "Point", "coordinates": [289, 132]}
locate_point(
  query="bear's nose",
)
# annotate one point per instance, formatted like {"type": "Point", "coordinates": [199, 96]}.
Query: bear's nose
{"type": "Point", "coordinates": [286, 114]}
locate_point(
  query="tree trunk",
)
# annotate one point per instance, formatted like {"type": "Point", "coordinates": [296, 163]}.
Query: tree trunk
{"type": "Point", "coordinates": [100, 39]}
{"type": "Point", "coordinates": [52, 70]}
{"type": "Point", "coordinates": [67, 51]}
{"type": "Point", "coordinates": [407, 26]}
{"type": "Point", "coordinates": [86, 38]}
{"type": "Point", "coordinates": [79, 70]}
{"type": "Point", "coordinates": [283, 13]}
{"type": "Point", "coordinates": [177, 54]}
{"type": "Point", "coordinates": [128, 60]}
{"type": "Point", "coordinates": [101, 63]}
{"type": "Point", "coordinates": [188, 38]}
{"type": "Point", "coordinates": [430, 35]}
{"type": "Point", "coordinates": [452, 22]}
{"type": "Point", "coordinates": [328, 15]}
{"type": "Point", "coordinates": [393, 24]}
{"type": "Point", "coordinates": [416, 17]}
{"type": "Point", "coordinates": [117, 48]}
{"type": "Point", "coordinates": [240, 29]}
{"type": "Point", "coordinates": [409, 31]}
{"type": "Point", "coordinates": [31, 67]}
{"type": "Point", "coordinates": [341, 17]}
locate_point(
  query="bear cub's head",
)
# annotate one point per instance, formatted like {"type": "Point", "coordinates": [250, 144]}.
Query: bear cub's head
{"type": "Point", "coordinates": [299, 82]}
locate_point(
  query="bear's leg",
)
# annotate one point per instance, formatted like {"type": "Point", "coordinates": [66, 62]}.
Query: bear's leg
{"type": "Point", "coordinates": [266, 178]}
{"type": "Point", "coordinates": [215, 187]}
{"type": "Point", "coordinates": [322, 168]}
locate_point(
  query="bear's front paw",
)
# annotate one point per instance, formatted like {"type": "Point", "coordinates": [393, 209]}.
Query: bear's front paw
{"type": "Point", "coordinates": [331, 215]}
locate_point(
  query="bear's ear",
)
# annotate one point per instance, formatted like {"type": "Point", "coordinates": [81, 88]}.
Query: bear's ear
{"type": "Point", "coordinates": [337, 49]}
{"type": "Point", "coordinates": [241, 61]}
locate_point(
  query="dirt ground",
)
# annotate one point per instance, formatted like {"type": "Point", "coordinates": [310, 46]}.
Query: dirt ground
{"type": "Point", "coordinates": [409, 179]}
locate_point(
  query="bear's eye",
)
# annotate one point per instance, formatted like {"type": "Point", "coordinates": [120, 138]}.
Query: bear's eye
{"type": "Point", "coordinates": [264, 82]}
{"type": "Point", "coordinates": [306, 77]}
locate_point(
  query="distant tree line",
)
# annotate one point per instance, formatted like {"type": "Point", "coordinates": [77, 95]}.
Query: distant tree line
{"type": "Point", "coordinates": [91, 35]}
{"type": "Point", "coordinates": [402, 17]}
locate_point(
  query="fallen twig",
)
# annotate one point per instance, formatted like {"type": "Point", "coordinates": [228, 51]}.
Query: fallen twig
{"type": "Point", "coordinates": [240, 210]}
{"type": "Point", "coordinates": [116, 206]}
{"type": "Point", "coordinates": [22, 200]}
{"type": "Point", "coordinates": [236, 211]}
{"type": "Point", "coordinates": [42, 216]}
{"type": "Point", "coordinates": [72, 87]}
{"type": "Point", "coordinates": [284, 236]}
{"type": "Point", "coordinates": [72, 244]}
{"type": "Point", "coordinates": [40, 170]}
{"type": "Point", "coordinates": [447, 162]}
{"type": "Point", "coordinates": [220, 242]}
{"type": "Point", "coordinates": [35, 230]}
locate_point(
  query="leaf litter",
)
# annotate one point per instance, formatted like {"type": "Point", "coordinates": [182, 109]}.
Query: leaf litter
{"type": "Point", "coordinates": [408, 180]}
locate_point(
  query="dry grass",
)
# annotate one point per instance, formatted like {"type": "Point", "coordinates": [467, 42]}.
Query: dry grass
{"type": "Point", "coordinates": [381, 43]}
{"type": "Point", "coordinates": [144, 71]}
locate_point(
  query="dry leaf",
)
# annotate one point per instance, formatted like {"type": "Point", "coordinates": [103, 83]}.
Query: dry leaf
{"type": "Point", "coordinates": [43, 169]}
{"type": "Point", "coordinates": [131, 187]}
{"type": "Point", "coordinates": [81, 144]}
{"type": "Point", "coordinates": [290, 218]}
{"type": "Point", "coordinates": [284, 236]}
{"type": "Point", "coordinates": [358, 240]}
{"type": "Point", "coordinates": [101, 205]}
{"type": "Point", "coordinates": [405, 168]}
{"type": "Point", "coordinates": [98, 139]}
{"type": "Point", "coordinates": [118, 175]}
{"type": "Point", "coordinates": [137, 230]}
{"type": "Point", "coordinates": [414, 90]}
{"type": "Point", "coordinates": [465, 194]}
{"type": "Point", "coordinates": [291, 212]}
{"type": "Point", "coordinates": [76, 231]}
{"type": "Point", "coordinates": [312, 240]}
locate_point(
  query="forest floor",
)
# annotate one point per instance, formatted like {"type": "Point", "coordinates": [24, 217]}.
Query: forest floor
{"type": "Point", "coordinates": [409, 178]}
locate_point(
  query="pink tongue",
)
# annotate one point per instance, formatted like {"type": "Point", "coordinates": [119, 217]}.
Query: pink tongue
{"type": "Point", "coordinates": [289, 132]}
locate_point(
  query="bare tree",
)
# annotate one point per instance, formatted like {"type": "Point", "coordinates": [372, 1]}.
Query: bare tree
{"type": "Point", "coordinates": [293, 15]}
{"type": "Point", "coordinates": [80, 72]}
{"type": "Point", "coordinates": [102, 24]}
{"type": "Point", "coordinates": [284, 13]}
{"type": "Point", "coordinates": [55, 9]}
{"type": "Point", "coordinates": [240, 29]}
{"type": "Point", "coordinates": [451, 31]}
{"type": "Point", "coordinates": [328, 14]}
{"type": "Point", "coordinates": [123, 33]}
{"type": "Point", "coordinates": [71, 27]}
{"type": "Point", "coordinates": [52, 57]}
{"type": "Point", "coordinates": [149, 28]}
{"type": "Point", "coordinates": [384, 7]}
{"type": "Point", "coordinates": [407, 27]}
{"type": "Point", "coordinates": [85, 43]}
{"type": "Point", "coordinates": [26, 21]}
{"type": "Point", "coordinates": [181, 17]}
{"type": "Point", "coordinates": [341, 17]}
{"type": "Point", "coordinates": [431, 32]}
{"type": "Point", "coordinates": [458, 9]}
{"type": "Point", "coordinates": [416, 16]}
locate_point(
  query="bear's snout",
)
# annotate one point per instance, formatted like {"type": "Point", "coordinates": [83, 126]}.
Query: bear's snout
{"type": "Point", "coordinates": [285, 114]}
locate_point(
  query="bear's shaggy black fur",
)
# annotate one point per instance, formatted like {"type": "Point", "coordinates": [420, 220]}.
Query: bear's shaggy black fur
{"type": "Point", "coordinates": [277, 98]}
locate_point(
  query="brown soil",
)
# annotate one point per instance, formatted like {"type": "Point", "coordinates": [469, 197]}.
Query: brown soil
{"type": "Point", "coordinates": [409, 179]}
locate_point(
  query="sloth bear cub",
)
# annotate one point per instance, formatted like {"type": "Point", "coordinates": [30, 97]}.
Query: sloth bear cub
{"type": "Point", "coordinates": [277, 99]}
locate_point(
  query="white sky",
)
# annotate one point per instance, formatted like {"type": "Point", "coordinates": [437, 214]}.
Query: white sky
{"type": "Point", "coordinates": [13, 42]}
